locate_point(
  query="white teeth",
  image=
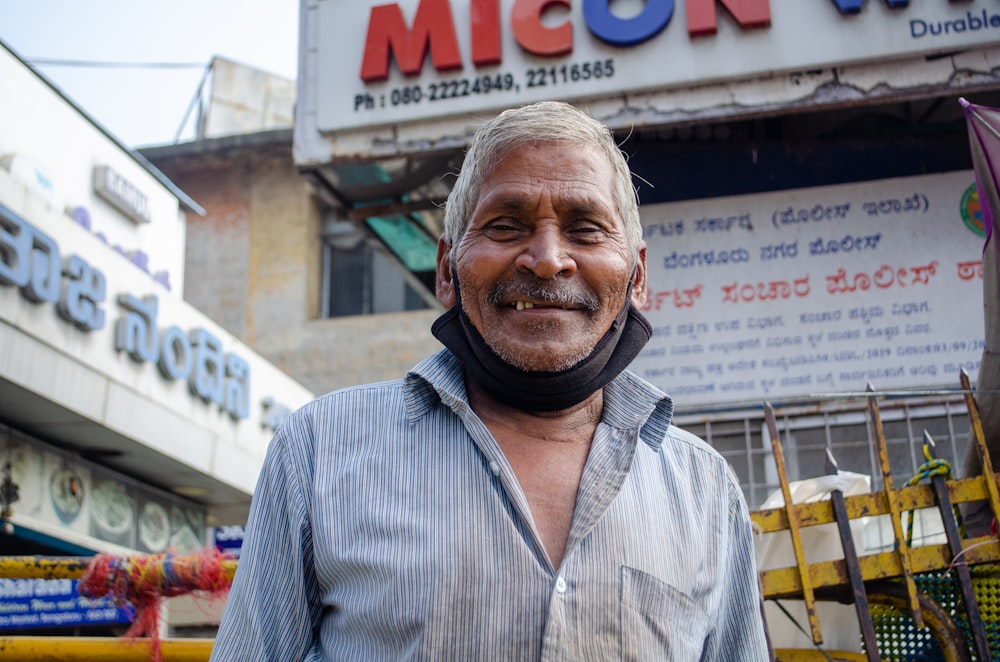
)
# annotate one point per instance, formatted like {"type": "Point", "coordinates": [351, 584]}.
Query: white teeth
{"type": "Point", "coordinates": [521, 305]}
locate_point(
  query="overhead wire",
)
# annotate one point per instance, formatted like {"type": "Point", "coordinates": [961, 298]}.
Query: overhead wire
{"type": "Point", "coordinates": [106, 64]}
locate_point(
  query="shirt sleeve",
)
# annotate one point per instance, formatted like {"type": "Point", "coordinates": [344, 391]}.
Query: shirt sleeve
{"type": "Point", "coordinates": [273, 610]}
{"type": "Point", "coordinates": [739, 635]}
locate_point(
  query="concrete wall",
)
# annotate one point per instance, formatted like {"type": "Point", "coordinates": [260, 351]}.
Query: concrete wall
{"type": "Point", "coordinates": [254, 266]}
{"type": "Point", "coordinates": [217, 250]}
{"type": "Point", "coordinates": [355, 350]}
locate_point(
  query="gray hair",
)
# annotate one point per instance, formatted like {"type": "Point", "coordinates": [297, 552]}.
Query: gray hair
{"type": "Point", "coordinates": [543, 122]}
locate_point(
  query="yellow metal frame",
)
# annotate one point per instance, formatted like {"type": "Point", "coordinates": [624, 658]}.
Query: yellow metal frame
{"type": "Point", "coordinates": [784, 583]}
{"type": "Point", "coordinates": [105, 649]}
{"type": "Point", "coordinates": [72, 567]}
{"type": "Point", "coordinates": [806, 655]}
{"type": "Point", "coordinates": [830, 579]}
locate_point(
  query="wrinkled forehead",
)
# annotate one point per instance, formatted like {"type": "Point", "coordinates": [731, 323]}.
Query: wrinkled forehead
{"type": "Point", "coordinates": [584, 151]}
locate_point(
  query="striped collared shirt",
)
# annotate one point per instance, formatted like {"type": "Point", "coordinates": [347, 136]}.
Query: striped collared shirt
{"type": "Point", "coordinates": [387, 525]}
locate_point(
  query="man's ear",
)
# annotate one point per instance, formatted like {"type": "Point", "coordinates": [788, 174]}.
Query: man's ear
{"type": "Point", "coordinates": [444, 284]}
{"type": "Point", "coordinates": [639, 279]}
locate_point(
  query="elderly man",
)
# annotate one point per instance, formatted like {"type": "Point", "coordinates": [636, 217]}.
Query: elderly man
{"type": "Point", "coordinates": [519, 495]}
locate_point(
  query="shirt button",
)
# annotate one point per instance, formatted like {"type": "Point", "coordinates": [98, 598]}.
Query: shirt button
{"type": "Point", "coordinates": [494, 468]}
{"type": "Point", "coordinates": [560, 585]}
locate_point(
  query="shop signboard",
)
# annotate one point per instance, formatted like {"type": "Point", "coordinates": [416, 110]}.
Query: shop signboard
{"type": "Point", "coordinates": [54, 603]}
{"type": "Point", "coordinates": [815, 291]}
{"type": "Point", "coordinates": [35, 262]}
{"type": "Point", "coordinates": [228, 540]}
{"type": "Point", "coordinates": [144, 362]}
{"type": "Point", "coordinates": [414, 60]}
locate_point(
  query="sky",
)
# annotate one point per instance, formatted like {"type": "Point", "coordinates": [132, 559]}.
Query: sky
{"type": "Point", "coordinates": [147, 105]}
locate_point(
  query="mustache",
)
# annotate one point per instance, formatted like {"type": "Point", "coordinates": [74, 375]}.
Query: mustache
{"type": "Point", "coordinates": [557, 292]}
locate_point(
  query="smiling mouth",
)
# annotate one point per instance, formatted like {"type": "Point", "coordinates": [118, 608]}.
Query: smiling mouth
{"type": "Point", "coordinates": [520, 296]}
{"type": "Point", "coordinates": [528, 305]}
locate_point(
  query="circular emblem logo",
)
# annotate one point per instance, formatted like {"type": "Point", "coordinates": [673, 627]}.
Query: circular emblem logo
{"type": "Point", "coordinates": [972, 211]}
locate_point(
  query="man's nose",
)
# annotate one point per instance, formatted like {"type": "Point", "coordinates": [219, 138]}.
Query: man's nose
{"type": "Point", "coordinates": [547, 254]}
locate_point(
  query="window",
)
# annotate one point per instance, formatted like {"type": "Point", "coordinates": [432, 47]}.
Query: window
{"type": "Point", "coordinates": [359, 278]}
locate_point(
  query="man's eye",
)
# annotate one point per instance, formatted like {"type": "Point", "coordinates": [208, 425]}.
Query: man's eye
{"type": "Point", "coordinates": [503, 228]}
{"type": "Point", "coordinates": [586, 231]}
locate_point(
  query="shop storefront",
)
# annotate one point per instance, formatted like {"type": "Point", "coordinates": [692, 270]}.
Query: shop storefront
{"type": "Point", "coordinates": [129, 421]}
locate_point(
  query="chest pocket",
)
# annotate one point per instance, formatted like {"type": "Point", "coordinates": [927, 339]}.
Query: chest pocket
{"type": "Point", "coordinates": [658, 621]}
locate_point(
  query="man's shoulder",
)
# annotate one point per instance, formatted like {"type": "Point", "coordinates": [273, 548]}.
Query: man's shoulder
{"type": "Point", "coordinates": [679, 441]}
{"type": "Point", "coordinates": [681, 437]}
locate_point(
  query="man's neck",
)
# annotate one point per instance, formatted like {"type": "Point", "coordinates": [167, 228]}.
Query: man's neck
{"type": "Point", "coordinates": [576, 423]}
{"type": "Point", "coordinates": [548, 452]}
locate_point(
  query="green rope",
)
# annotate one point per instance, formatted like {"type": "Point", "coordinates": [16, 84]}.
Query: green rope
{"type": "Point", "coordinates": [929, 469]}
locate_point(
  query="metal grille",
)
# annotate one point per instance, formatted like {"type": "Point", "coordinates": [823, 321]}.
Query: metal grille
{"type": "Point", "coordinates": [900, 639]}
{"type": "Point", "coordinates": [808, 429]}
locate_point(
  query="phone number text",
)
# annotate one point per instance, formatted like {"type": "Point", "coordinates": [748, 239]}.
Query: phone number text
{"type": "Point", "coordinates": [563, 74]}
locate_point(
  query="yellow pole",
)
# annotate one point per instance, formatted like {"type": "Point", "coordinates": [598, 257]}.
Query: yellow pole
{"type": "Point", "coordinates": [106, 649]}
{"type": "Point", "coordinates": [793, 526]}
{"type": "Point", "coordinates": [900, 545]}
{"type": "Point", "coordinates": [43, 567]}
{"type": "Point", "coordinates": [69, 567]}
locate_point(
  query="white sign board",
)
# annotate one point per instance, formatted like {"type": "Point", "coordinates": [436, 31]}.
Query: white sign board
{"type": "Point", "coordinates": [484, 55]}
{"type": "Point", "coordinates": [79, 324]}
{"type": "Point", "coordinates": [811, 291]}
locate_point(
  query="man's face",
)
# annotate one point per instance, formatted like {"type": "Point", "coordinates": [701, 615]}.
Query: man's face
{"type": "Point", "coordinates": [544, 265]}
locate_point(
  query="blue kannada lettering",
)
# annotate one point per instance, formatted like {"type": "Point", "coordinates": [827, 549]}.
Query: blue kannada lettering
{"type": "Point", "coordinates": [82, 293]}
{"type": "Point", "coordinates": [668, 229]}
{"type": "Point", "coordinates": [212, 375]}
{"type": "Point", "coordinates": [720, 224]}
{"type": "Point", "coordinates": [846, 245]}
{"type": "Point", "coordinates": [817, 213]}
{"type": "Point", "coordinates": [706, 258]}
{"type": "Point", "coordinates": [917, 202]}
{"type": "Point", "coordinates": [30, 260]}
{"type": "Point", "coordinates": [779, 251]}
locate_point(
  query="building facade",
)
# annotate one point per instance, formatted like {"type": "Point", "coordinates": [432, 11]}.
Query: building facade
{"type": "Point", "coordinates": [130, 421]}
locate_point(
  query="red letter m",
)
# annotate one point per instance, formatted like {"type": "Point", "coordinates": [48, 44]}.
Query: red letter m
{"type": "Point", "coordinates": [702, 20]}
{"type": "Point", "coordinates": [387, 32]}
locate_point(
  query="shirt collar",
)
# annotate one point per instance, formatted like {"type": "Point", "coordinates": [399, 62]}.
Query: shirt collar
{"type": "Point", "coordinates": [630, 402]}
{"type": "Point", "coordinates": [439, 377]}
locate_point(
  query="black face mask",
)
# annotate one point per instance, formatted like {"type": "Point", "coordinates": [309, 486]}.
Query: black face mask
{"type": "Point", "coordinates": [543, 391]}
